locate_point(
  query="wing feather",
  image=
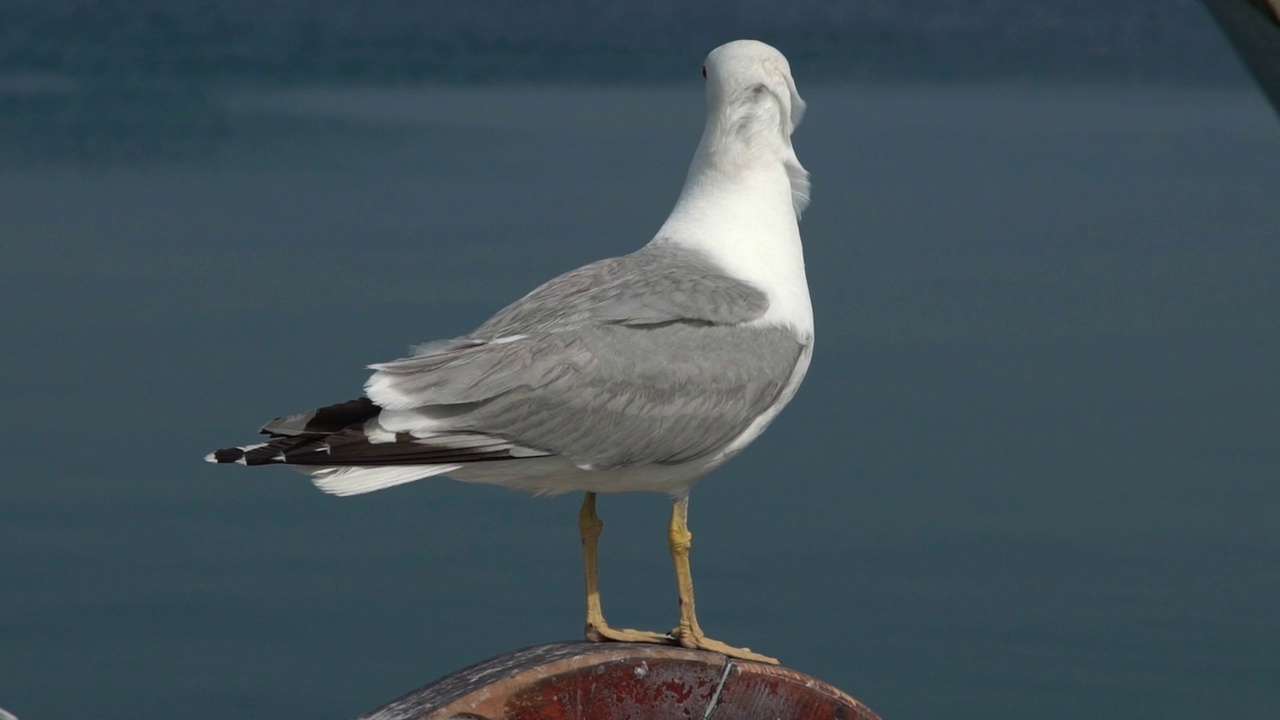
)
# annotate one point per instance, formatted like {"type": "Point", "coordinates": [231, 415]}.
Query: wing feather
{"type": "Point", "coordinates": [648, 358]}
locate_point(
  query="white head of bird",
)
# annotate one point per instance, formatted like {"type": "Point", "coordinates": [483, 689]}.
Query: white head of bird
{"type": "Point", "coordinates": [753, 107]}
{"type": "Point", "coordinates": [750, 90]}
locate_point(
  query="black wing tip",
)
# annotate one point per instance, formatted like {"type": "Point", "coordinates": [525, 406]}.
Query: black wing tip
{"type": "Point", "coordinates": [225, 456]}
{"type": "Point", "coordinates": [256, 454]}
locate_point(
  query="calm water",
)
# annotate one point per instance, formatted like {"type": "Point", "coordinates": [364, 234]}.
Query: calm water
{"type": "Point", "coordinates": [1032, 473]}
{"type": "Point", "coordinates": [656, 40]}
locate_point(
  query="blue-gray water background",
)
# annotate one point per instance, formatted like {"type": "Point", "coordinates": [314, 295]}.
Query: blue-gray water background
{"type": "Point", "coordinates": [1032, 473]}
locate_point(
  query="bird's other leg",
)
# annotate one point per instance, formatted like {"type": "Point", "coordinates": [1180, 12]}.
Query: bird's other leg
{"type": "Point", "coordinates": [689, 634]}
{"type": "Point", "coordinates": [597, 630]}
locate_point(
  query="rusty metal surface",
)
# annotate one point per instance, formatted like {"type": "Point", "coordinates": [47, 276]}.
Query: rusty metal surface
{"type": "Point", "coordinates": [614, 681]}
{"type": "Point", "coordinates": [763, 691]}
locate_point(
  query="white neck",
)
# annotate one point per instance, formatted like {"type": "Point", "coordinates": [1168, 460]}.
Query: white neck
{"type": "Point", "coordinates": [737, 207]}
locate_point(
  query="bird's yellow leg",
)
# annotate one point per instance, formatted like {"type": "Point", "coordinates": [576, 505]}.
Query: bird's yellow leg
{"type": "Point", "coordinates": [688, 633]}
{"type": "Point", "coordinates": [589, 527]}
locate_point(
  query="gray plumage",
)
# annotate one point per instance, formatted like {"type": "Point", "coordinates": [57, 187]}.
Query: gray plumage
{"type": "Point", "coordinates": [649, 358]}
{"type": "Point", "coordinates": [659, 283]}
{"type": "Point", "coordinates": [613, 396]}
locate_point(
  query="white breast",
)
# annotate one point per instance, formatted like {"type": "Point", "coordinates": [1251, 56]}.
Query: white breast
{"type": "Point", "coordinates": [747, 225]}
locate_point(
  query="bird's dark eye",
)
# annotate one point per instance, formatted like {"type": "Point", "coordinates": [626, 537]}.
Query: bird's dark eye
{"type": "Point", "coordinates": [704, 71]}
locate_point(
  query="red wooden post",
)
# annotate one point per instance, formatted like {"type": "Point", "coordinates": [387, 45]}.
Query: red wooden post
{"type": "Point", "coordinates": [617, 681]}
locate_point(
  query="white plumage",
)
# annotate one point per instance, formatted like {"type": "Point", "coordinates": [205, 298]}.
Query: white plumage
{"type": "Point", "coordinates": [734, 235]}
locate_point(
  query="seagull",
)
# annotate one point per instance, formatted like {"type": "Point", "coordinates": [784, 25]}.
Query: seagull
{"type": "Point", "coordinates": [639, 373]}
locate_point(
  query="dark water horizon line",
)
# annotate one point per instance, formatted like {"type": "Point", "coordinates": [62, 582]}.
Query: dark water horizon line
{"type": "Point", "coordinates": [931, 41]}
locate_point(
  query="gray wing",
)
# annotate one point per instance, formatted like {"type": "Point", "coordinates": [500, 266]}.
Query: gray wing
{"type": "Point", "coordinates": [659, 283]}
{"type": "Point", "coordinates": [620, 396]}
{"type": "Point", "coordinates": [642, 359]}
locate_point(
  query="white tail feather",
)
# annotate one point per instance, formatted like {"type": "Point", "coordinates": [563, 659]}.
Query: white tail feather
{"type": "Point", "coordinates": [356, 480]}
